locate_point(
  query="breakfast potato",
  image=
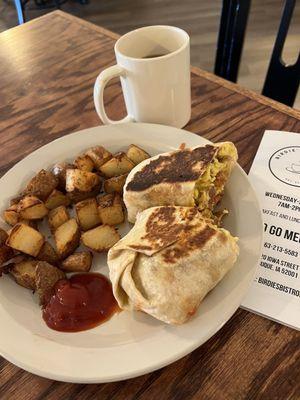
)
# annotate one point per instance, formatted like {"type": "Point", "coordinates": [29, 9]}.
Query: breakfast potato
{"type": "Point", "coordinates": [29, 222]}
{"type": "Point", "coordinates": [25, 239]}
{"type": "Point", "coordinates": [46, 276]}
{"type": "Point", "coordinates": [47, 253]}
{"type": "Point", "coordinates": [110, 209]}
{"type": "Point", "coordinates": [59, 171]}
{"type": "Point", "coordinates": [136, 154]}
{"type": "Point", "coordinates": [56, 199]}
{"type": "Point", "coordinates": [23, 273]}
{"type": "Point", "coordinates": [87, 214]}
{"type": "Point", "coordinates": [6, 253]}
{"type": "Point", "coordinates": [118, 165]}
{"type": "Point", "coordinates": [57, 217]}
{"type": "Point", "coordinates": [67, 238]}
{"type": "Point", "coordinates": [101, 238]}
{"type": "Point", "coordinates": [31, 207]}
{"type": "Point", "coordinates": [81, 181]}
{"type": "Point", "coordinates": [99, 155]}
{"type": "Point", "coordinates": [76, 196]}
{"type": "Point", "coordinates": [84, 162]}
{"type": "Point", "coordinates": [41, 185]}
{"type": "Point", "coordinates": [3, 236]}
{"type": "Point", "coordinates": [11, 215]}
{"type": "Point", "coordinates": [15, 200]}
{"type": "Point", "coordinates": [78, 262]}
{"type": "Point", "coordinates": [115, 184]}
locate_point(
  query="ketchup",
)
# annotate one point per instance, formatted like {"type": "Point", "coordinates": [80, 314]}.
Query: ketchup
{"type": "Point", "coordinates": [79, 303]}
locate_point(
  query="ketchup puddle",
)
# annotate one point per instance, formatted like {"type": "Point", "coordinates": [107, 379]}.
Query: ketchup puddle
{"type": "Point", "coordinates": [79, 303]}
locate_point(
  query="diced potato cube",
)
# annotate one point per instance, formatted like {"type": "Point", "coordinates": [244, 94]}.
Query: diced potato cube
{"type": "Point", "coordinates": [47, 253]}
{"type": "Point", "coordinates": [23, 273]}
{"type": "Point", "coordinates": [3, 236]}
{"type": "Point", "coordinates": [118, 165]}
{"type": "Point", "coordinates": [46, 276]}
{"type": "Point", "coordinates": [101, 238]}
{"type": "Point", "coordinates": [115, 184]}
{"type": "Point", "coordinates": [6, 253]}
{"type": "Point", "coordinates": [57, 217]}
{"type": "Point", "coordinates": [99, 155]}
{"type": "Point", "coordinates": [25, 239]}
{"type": "Point", "coordinates": [31, 207]}
{"type": "Point", "coordinates": [78, 262]}
{"type": "Point", "coordinates": [67, 238]}
{"type": "Point", "coordinates": [136, 154]}
{"type": "Point", "coordinates": [84, 162]}
{"type": "Point", "coordinates": [87, 214]}
{"type": "Point", "coordinates": [59, 171]}
{"type": "Point", "coordinates": [41, 185]}
{"type": "Point", "coordinates": [81, 181]}
{"type": "Point", "coordinates": [11, 215]}
{"type": "Point", "coordinates": [56, 199]}
{"type": "Point", "coordinates": [110, 209]}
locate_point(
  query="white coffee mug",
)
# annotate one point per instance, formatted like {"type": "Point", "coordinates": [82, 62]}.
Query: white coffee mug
{"type": "Point", "coordinates": [153, 64]}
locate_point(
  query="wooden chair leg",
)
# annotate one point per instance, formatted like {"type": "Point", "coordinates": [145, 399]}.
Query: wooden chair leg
{"type": "Point", "coordinates": [20, 11]}
{"type": "Point", "coordinates": [231, 38]}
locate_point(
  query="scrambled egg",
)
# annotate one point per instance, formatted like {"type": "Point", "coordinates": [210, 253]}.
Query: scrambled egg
{"type": "Point", "coordinates": [211, 183]}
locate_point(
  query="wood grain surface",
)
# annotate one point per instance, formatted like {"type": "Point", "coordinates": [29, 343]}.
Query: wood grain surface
{"type": "Point", "coordinates": [47, 72]}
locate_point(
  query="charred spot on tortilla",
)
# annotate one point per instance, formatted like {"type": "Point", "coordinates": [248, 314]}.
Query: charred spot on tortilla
{"type": "Point", "coordinates": [181, 166]}
{"type": "Point", "coordinates": [188, 243]}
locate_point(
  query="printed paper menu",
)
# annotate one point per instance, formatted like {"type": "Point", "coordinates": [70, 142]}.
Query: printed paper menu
{"type": "Point", "coordinates": [275, 175]}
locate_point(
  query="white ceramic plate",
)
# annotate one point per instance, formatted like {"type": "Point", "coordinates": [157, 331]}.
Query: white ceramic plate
{"type": "Point", "coordinates": [130, 344]}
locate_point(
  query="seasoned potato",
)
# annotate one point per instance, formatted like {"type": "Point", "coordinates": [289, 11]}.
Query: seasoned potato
{"type": "Point", "coordinates": [115, 184]}
{"type": "Point", "coordinates": [67, 238]}
{"type": "Point", "coordinates": [84, 162]}
{"type": "Point", "coordinates": [47, 253]}
{"type": "Point", "coordinates": [136, 154]}
{"type": "Point", "coordinates": [101, 238]}
{"type": "Point", "coordinates": [26, 239]}
{"type": "Point", "coordinates": [57, 217]}
{"type": "Point", "coordinates": [76, 196]}
{"type": "Point", "coordinates": [118, 165]}
{"type": "Point", "coordinates": [81, 181]}
{"type": "Point", "coordinates": [30, 207]}
{"type": "Point", "coordinates": [3, 236]}
{"type": "Point", "coordinates": [46, 276]}
{"type": "Point", "coordinates": [87, 214]}
{"type": "Point", "coordinates": [15, 200]}
{"type": "Point", "coordinates": [6, 253]}
{"type": "Point", "coordinates": [56, 199]}
{"type": "Point", "coordinates": [99, 155]}
{"type": "Point", "coordinates": [59, 170]}
{"type": "Point", "coordinates": [29, 222]}
{"type": "Point", "coordinates": [78, 262]}
{"type": "Point", "coordinates": [11, 216]}
{"type": "Point", "coordinates": [41, 185]}
{"type": "Point", "coordinates": [23, 273]}
{"type": "Point", "coordinates": [110, 209]}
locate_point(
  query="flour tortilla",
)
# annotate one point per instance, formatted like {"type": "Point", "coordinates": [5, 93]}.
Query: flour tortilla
{"type": "Point", "coordinates": [169, 261]}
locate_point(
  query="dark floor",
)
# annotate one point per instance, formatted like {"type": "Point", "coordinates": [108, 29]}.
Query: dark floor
{"type": "Point", "coordinates": [198, 17]}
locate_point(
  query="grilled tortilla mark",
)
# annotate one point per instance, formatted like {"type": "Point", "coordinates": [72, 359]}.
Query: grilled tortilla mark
{"type": "Point", "coordinates": [181, 166]}
{"type": "Point", "coordinates": [187, 244]}
{"type": "Point", "coordinates": [161, 228]}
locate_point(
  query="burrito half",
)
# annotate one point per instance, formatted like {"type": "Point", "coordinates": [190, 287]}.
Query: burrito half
{"type": "Point", "coordinates": [189, 177]}
{"type": "Point", "coordinates": [169, 261]}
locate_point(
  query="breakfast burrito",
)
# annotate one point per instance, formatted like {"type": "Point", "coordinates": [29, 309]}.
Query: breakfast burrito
{"type": "Point", "coordinates": [169, 261]}
{"type": "Point", "coordinates": [189, 177]}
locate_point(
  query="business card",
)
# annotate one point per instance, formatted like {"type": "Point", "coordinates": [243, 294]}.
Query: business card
{"type": "Point", "coordinates": [275, 175]}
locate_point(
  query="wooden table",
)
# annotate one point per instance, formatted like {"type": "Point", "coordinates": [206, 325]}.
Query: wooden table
{"type": "Point", "coordinates": [47, 71]}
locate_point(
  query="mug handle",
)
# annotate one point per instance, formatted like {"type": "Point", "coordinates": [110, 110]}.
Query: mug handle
{"type": "Point", "coordinates": [103, 78]}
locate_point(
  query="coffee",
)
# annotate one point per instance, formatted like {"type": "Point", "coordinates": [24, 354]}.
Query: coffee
{"type": "Point", "coordinates": [155, 55]}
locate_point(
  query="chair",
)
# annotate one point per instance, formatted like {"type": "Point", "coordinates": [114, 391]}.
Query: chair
{"type": "Point", "coordinates": [42, 4]}
{"type": "Point", "coordinates": [282, 80]}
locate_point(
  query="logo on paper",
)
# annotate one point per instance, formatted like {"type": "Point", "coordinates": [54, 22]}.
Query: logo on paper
{"type": "Point", "coordinates": [285, 165]}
